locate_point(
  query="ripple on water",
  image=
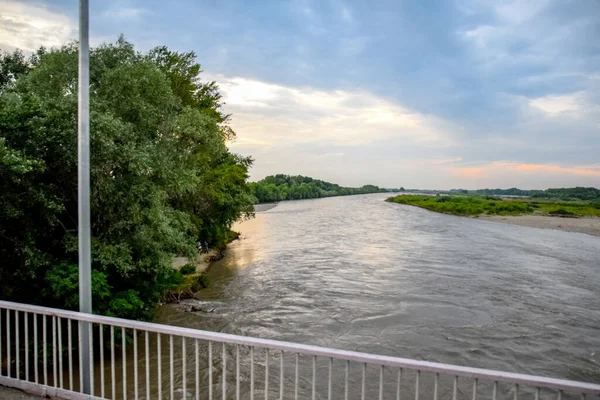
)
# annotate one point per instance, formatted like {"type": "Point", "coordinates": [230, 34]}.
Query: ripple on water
{"type": "Point", "coordinates": [361, 274]}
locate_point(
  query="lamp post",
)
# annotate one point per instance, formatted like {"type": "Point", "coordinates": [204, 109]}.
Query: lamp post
{"type": "Point", "coordinates": [83, 191]}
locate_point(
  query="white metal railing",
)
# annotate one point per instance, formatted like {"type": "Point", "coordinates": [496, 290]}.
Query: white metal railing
{"type": "Point", "coordinates": [132, 359]}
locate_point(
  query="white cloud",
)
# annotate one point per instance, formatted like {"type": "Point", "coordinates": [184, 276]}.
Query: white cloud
{"type": "Point", "coordinates": [130, 13]}
{"type": "Point", "coordinates": [519, 11]}
{"type": "Point", "coordinates": [445, 161]}
{"type": "Point", "coordinates": [481, 35]}
{"type": "Point", "coordinates": [555, 105]}
{"type": "Point", "coordinates": [269, 113]}
{"type": "Point", "coordinates": [29, 26]}
{"type": "Point", "coordinates": [338, 135]}
{"type": "Point", "coordinates": [347, 15]}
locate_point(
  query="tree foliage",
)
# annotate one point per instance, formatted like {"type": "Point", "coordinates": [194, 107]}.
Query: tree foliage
{"type": "Point", "coordinates": [287, 187]}
{"type": "Point", "coordinates": [576, 193]}
{"type": "Point", "coordinates": [162, 178]}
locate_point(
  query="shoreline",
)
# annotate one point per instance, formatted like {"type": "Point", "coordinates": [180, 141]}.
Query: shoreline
{"type": "Point", "coordinates": [586, 225]}
{"type": "Point", "coordinates": [261, 207]}
{"type": "Point", "coordinates": [203, 261]}
{"type": "Point", "coordinates": [581, 217]}
{"type": "Point", "coordinates": [189, 287]}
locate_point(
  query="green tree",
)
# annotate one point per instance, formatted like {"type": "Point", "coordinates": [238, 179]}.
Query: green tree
{"type": "Point", "coordinates": [162, 178]}
{"type": "Point", "coordinates": [294, 187]}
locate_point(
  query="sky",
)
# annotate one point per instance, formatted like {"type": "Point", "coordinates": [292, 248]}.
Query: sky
{"type": "Point", "coordinates": [420, 94]}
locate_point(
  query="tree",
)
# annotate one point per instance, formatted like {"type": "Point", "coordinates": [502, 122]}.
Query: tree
{"type": "Point", "coordinates": [12, 66]}
{"type": "Point", "coordinates": [184, 74]}
{"type": "Point", "coordinates": [162, 179]}
{"type": "Point", "coordinates": [289, 187]}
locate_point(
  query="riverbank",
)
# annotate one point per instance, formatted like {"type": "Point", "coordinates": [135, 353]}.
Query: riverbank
{"type": "Point", "coordinates": [191, 274]}
{"type": "Point", "coordinates": [202, 262]}
{"type": "Point", "coordinates": [569, 216]}
{"type": "Point", "coordinates": [588, 225]}
{"type": "Point", "coordinates": [264, 207]}
{"type": "Point", "coordinates": [473, 206]}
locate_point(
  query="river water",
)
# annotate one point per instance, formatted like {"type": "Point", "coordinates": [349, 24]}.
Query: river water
{"type": "Point", "coordinates": [358, 273]}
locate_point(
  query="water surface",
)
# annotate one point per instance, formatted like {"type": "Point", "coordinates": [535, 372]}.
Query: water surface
{"type": "Point", "coordinates": [358, 273]}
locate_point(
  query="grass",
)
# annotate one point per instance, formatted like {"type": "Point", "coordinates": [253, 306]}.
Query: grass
{"type": "Point", "coordinates": [488, 205]}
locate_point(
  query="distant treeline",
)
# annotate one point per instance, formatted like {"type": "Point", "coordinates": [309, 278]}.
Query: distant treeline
{"type": "Point", "coordinates": [576, 193]}
{"type": "Point", "coordinates": [294, 187]}
{"type": "Point", "coordinates": [504, 192]}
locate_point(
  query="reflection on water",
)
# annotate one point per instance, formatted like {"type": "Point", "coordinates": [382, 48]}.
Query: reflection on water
{"type": "Point", "coordinates": [360, 274]}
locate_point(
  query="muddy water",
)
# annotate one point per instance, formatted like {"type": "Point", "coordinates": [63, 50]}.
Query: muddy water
{"type": "Point", "coordinates": [357, 273]}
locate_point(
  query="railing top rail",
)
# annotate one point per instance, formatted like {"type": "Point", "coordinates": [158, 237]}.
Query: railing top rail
{"type": "Point", "coordinates": [396, 362]}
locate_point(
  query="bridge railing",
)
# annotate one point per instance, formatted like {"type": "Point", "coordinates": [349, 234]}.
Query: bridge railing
{"type": "Point", "coordinates": [40, 353]}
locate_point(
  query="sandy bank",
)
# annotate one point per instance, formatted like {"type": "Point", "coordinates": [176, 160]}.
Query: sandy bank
{"type": "Point", "coordinates": [589, 225]}
{"type": "Point", "coordinates": [264, 207]}
{"type": "Point", "coordinates": [201, 263]}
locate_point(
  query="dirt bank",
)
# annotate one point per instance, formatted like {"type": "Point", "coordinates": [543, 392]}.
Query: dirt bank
{"type": "Point", "coordinates": [589, 225]}
{"type": "Point", "coordinates": [264, 207]}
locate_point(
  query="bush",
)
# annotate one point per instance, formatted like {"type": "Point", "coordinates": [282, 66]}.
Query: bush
{"type": "Point", "coordinates": [200, 282]}
{"type": "Point", "coordinates": [188, 269]}
{"type": "Point", "coordinates": [560, 211]}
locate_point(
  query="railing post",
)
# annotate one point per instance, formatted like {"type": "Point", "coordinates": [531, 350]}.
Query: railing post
{"type": "Point", "coordinates": [14, 332]}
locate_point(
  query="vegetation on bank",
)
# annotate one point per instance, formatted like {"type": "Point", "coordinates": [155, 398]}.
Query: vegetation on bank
{"type": "Point", "coordinates": [163, 182]}
{"type": "Point", "coordinates": [490, 205]}
{"type": "Point", "coordinates": [189, 281]}
{"type": "Point", "coordinates": [294, 187]}
{"type": "Point", "coordinates": [576, 193]}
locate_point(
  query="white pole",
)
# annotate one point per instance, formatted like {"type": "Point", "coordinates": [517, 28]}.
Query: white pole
{"type": "Point", "coordinates": [85, 274]}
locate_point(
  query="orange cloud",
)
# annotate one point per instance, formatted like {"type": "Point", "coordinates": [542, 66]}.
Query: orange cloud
{"type": "Point", "coordinates": [495, 167]}
{"type": "Point", "coordinates": [555, 169]}
{"type": "Point", "coordinates": [470, 172]}
{"type": "Point", "coordinates": [531, 167]}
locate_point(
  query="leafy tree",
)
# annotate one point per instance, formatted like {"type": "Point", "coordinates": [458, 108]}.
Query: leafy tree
{"type": "Point", "coordinates": [162, 178]}
{"type": "Point", "coordinates": [289, 187]}
{"type": "Point", "coordinates": [184, 74]}
{"type": "Point", "coordinates": [12, 66]}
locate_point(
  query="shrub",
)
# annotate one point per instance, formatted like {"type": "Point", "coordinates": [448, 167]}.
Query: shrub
{"type": "Point", "coordinates": [200, 282]}
{"type": "Point", "coordinates": [188, 269]}
{"type": "Point", "coordinates": [560, 211]}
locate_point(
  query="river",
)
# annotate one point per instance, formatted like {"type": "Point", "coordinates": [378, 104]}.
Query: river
{"type": "Point", "coordinates": [361, 274]}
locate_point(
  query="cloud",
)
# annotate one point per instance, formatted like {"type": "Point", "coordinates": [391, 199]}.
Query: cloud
{"type": "Point", "coordinates": [347, 15]}
{"type": "Point", "coordinates": [481, 35]}
{"type": "Point", "coordinates": [586, 170]}
{"type": "Point", "coordinates": [29, 26]}
{"type": "Point", "coordinates": [554, 105]}
{"type": "Point", "coordinates": [518, 11]}
{"type": "Point", "coordinates": [533, 176]}
{"type": "Point", "coordinates": [387, 93]}
{"type": "Point", "coordinates": [271, 113]}
{"type": "Point", "coordinates": [446, 161]}
{"type": "Point", "coordinates": [338, 135]}
{"type": "Point", "coordinates": [125, 13]}
{"type": "Point", "coordinates": [353, 47]}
